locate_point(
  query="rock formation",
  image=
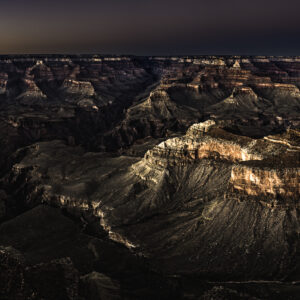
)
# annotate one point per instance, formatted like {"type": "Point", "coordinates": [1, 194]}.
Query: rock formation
{"type": "Point", "coordinates": [149, 177]}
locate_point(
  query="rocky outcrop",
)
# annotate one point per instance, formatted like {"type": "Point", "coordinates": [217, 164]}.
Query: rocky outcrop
{"type": "Point", "coordinates": [273, 185]}
{"type": "Point", "coordinates": [208, 141]}
{"type": "Point", "coordinates": [275, 179]}
{"type": "Point", "coordinates": [75, 87]}
{"type": "Point", "coordinates": [265, 169]}
{"type": "Point", "coordinates": [31, 91]}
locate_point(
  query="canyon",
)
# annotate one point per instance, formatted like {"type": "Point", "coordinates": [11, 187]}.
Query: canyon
{"type": "Point", "coordinates": [125, 177]}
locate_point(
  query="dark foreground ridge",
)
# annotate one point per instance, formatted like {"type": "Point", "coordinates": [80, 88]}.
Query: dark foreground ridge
{"type": "Point", "coordinates": [129, 177]}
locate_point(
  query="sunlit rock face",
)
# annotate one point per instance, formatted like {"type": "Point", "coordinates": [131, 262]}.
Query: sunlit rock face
{"type": "Point", "coordinates": [78, 87]}
{"type": "Point", "coordinates": [208, 141]}
{"type": "Point", "coordinates": [280, 183]}
{"type": "Point", "coordinates": [200, 148]}
{"type": "Point", "coordinates": [266, 168]}
{"type": "Point", "coordinates": [149, 177]}
{"type": "Point", "coordinates": [276, 179]}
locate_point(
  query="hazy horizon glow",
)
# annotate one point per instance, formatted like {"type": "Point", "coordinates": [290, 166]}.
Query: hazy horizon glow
{"type": "Point", "coordinates": [150, 27]}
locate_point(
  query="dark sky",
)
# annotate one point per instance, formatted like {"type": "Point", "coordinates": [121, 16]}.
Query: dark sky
{"type": "Point", "coordinates": [150, 26]}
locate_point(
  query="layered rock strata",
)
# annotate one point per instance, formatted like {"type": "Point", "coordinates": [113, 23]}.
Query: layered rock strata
{"type": "Point", "coordinates": [188, 166]}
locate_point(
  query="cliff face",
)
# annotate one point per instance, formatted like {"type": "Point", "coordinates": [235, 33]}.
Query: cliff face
{"type": "Point", "coordinates": [78, 87]}
{"type": "Point", "coordinates": [275, 179]}
{"type": "Point", "coordinates": [207, 140]}
{"type": "Point", "coordinates": [266, 168]}
{"type": "Point", "coordinates": [278, 184]}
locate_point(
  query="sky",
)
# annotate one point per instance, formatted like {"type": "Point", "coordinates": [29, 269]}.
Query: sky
{"type": "Point", "coordinates": [150, 27]}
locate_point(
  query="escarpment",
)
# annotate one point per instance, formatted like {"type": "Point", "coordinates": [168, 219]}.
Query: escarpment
{"type": "Point", "coordinates": [267, 169]}
{"type": "Point", "coordinates": [78, 87]}
{"type": "Point", "coordinates": [275, 179]}
{"type": "Point", "coordinates": [207, 140]}
{"type": "Point", "coordinates": [274, 186]}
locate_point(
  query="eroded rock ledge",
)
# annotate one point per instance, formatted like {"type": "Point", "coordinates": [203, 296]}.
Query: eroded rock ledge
{"type": "Point", "coordinates": [268, 169]}
{"type": "Point", "coordinates": [273, 186]}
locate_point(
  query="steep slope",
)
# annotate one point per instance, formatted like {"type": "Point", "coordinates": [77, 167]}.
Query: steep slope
{"type": "Point", "coordinates": [209, 203]}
